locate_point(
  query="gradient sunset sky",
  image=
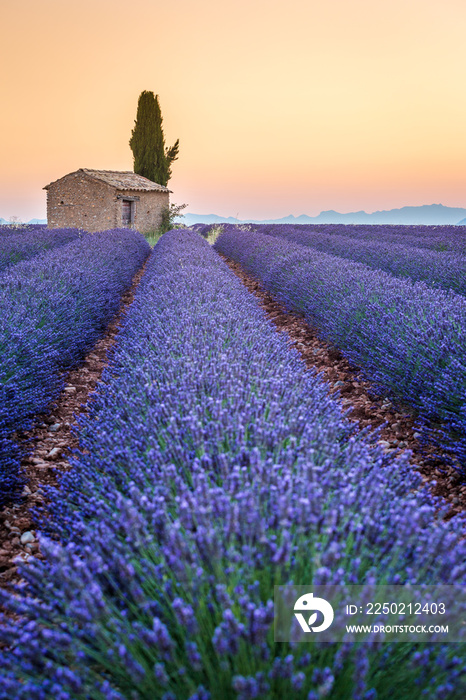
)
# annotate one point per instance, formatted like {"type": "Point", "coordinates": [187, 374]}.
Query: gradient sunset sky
{"type": "Point", "coordinates": [280, 107]}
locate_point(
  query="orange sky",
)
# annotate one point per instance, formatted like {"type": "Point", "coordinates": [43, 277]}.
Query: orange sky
{"type": "Point", "coordinates": [280, 107]}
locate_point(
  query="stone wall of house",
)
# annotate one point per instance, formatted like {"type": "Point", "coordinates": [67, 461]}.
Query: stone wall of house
{"type": "Point", "coordinates": [78, 201]}
{"type": "Point", "coordinates": [148, 208]}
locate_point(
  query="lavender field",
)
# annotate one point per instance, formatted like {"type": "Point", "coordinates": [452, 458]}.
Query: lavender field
{"type": "Point", "coordinates": [22, 243]}
{"type": "Point", "coordinates": [52, 309]}
{"type": "Point", "coordinates": [407, 335]}
{"type": "Point", "coordinates": [437, 259]}
{"type": "Point", "coordinates": [213, 465]}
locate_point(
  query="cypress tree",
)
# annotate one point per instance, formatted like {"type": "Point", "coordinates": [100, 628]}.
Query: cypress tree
{"type": "Point", "coordinates": [151, 158]}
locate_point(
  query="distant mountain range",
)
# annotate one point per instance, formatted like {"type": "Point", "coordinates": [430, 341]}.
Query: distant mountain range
{"type": "Point", "coordinates": [430, 214]}
{"type": "Point", "coordinates": [33, 221]}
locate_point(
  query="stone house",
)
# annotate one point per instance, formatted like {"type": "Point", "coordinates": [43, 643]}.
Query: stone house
{"type": "Point", "coordinates": [96, 200]}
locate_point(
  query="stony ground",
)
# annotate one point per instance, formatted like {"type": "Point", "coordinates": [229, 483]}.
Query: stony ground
{"type": "Point", "coordinates": [53, 438]}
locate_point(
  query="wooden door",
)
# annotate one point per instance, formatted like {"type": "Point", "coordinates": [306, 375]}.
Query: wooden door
{"type": "Point", "coordinates": [126, 213]}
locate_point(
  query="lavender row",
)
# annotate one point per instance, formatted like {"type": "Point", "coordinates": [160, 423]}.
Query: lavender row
{"type": "Point", "coordinates": [408, 338]}
{"type": "Point", "coordinates": [212, 466]}
{"type": "Point", "coordinates": [52, 310]}
{"type": "Point", "coordinates": [444, 270]}
{"type": "Point", "coordinates": [29, 242]}
{"type": "Point", "coordinates": [435, 238]}
{"type": "Point", "coordinates": [443, 239]}
{"type": "Point", "coordinates": [15, 229]}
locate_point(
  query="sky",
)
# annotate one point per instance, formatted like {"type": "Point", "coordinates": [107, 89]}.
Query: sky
{"type": "Point", "coordinates": [280, 107]}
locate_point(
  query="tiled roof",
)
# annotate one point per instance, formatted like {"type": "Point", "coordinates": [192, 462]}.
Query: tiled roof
{"type": "Point", "coordinates": [125, 180]}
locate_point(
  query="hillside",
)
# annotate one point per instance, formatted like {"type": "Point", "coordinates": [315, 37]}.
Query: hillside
{"type": "Point", "coordinates": [428, 214]}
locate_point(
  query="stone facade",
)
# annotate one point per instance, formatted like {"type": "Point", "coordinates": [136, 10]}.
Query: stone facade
{"type": "Point", "coordinates": [96, 200]}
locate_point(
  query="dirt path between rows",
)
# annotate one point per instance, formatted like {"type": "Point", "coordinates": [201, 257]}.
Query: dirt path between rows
{"type": "Point", "coordinates": [398, 432]}
{"type": "Point", "coordinates": [53, 441]}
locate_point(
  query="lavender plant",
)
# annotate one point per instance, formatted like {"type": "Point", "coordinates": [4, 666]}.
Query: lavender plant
{"type": "Point", "coordinates": [443, 270]}
{"type": "Point", "coordinates": [13, 229]}
{"type": "Point", "coordinates": [435, 238]}
{"type": "Point", "coordinates": [213, 465]}
{"type": "Point", "coordinates": [408, 338]}
{"type": "Point", "coordinates": [29, 242]}
{"type": "Point", "coordinates": [52, 310]}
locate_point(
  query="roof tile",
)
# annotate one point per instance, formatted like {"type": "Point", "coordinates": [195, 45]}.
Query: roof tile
{"type": "Point", "coordinates": [121, 180]}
